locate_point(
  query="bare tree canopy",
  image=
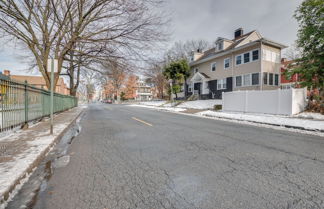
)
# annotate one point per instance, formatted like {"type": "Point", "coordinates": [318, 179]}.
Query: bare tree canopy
{"type": "Point", "coordinates": [102, 28]}
{"type": "Point", "coordinates": [183, 50]}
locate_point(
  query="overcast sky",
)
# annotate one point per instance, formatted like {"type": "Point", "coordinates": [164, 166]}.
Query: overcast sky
{"type": "Point", "coordinates": [209, 19]}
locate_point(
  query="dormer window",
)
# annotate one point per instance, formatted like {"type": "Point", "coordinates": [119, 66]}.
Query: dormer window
{"type": "Point", "coordinates": [220, 45]}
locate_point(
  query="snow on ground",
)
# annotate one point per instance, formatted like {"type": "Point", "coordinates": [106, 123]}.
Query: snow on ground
{"type": "Point", "coordinates": [310, 115]}
{"type": "Point", "coordinates": [171, 109]}
{"type": "Point", "coordinates": [201, 104]}
{"type": "Point", "coordinates": [153, 103]}
{"type": "Point", "coordinates": [267, 119]}
{"type": "Point", "coordinates": [11, 171]}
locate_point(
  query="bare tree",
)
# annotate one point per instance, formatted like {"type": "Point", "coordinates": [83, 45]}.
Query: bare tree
{"type": "Point", "coordinates": [293, 52]}
{"type": "Point", "coordinates": [154, 75]}
{"type": "Point", "coordinates": [52, 28]}
{"type": "Point", "coordinates": [183, 50]}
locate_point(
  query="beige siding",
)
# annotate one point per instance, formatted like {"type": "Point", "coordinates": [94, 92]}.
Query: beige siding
{"type": "Point", "coordinates": [268, 66]}
{"type": "Point", "coordinates": [233, 70]}
{"type": "Point", "coordinates": [252, 37]}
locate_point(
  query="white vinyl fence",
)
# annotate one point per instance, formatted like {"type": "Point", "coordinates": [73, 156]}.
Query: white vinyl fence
{"type": "Point", "coordinates": [283, 102]}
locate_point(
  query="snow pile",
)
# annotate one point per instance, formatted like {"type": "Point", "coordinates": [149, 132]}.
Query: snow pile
{"type": "Point", "coordinates": [268, 119]}
{"type": "Point", "coordinates": [310, 115]}
{"type": "Point", "coordinates": [201, 104]}
{"type": "Point", "coordinates": [153, 103]}
{"type": "Point", "coordinates": [13, 170]}
{"type": "Point", "coordinates": [170, 109]}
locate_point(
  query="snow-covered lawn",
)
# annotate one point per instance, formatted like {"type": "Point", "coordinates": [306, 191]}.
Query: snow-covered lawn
{"type": "Point", "coordinates": [268, 119]}
{"type": "Point", "coordinates": [197, 104]}
{"type": "Point", "coordinates": [171, 109]}
{"type": "Point", "coordinates": [201, 104]}
{"type": "Point", "coordinates": [153, 103]}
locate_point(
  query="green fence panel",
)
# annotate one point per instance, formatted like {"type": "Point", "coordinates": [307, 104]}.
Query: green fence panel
{"type": "Point", "coordinates": [21, 103]}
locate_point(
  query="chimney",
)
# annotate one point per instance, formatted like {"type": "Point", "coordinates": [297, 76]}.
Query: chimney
{"type": "Point", "coordinates": [6, 72]}
{"type": "Point", "coordinates": [238, 33]}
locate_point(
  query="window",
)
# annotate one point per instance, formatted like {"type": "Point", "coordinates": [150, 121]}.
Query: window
{"type": "Point", "coordinates": [255, 55]}
{"type": "Point", "coordinates": [238, 59]}
{"type": "Point", "coordinates": [238, 81]}
{"type": "Point", "coordinates": [270, 78]}
{"type": "Point", "coordinates": [246, 57]}
{"type": "Point", "coordinates": [276, 79]}
{"type": "Point", "coordinates": [220, 45]}
{"type": "Point", "coordinates": [247, 80]}
{"type": "Point", "coordinates": [213, 66]}
{"type": "Point", "coordinates": [196, 70]}
{"type": "Point", "coordinates": [221, 84]}
{"type": "Point", "coordinates": [265, 78]}
{"type": "Point", "coordinates": [226, 63]}
{"type": "Point", "coordinates": [255, 78]}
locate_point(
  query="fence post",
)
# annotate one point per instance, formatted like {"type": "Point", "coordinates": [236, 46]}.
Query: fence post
{"type": "Point", "coordinates": [278, 100]}
{"type": "Point", "coordinates": [26, 106]}
{"type": "Point", "coordinates": [246, 101]}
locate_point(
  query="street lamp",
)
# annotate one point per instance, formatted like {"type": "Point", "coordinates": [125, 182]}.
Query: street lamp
{"type": "Point", "coordinates": [52, 65]}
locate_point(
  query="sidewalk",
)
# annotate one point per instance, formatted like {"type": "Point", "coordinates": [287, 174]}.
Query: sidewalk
{"type": "Point", "coordinates": [21, 152]}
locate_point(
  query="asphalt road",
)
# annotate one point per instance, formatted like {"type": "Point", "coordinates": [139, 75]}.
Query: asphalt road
{"type": "Point", "coordinates": [132, 157]}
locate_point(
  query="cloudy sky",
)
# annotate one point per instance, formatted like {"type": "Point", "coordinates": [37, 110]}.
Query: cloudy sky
{"type": "Point", "coordinates": [209, 19]}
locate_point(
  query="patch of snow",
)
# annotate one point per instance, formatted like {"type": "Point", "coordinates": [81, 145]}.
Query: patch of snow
{"type": "Point", "coordinates": [13, 170]}
{"type": "Point", "coordinates": [201, 104]}
{"type": "Point", "coordinates": [170, 109]}
{"type": "Point", "coordinates": [310, 115]}
{"type": "Point", "coordinates": [267, 119]}
{"type": "Point", "coordinates": [153, 103]}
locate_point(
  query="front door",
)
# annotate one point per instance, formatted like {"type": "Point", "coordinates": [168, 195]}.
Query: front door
{"type": "Point", "coordinates": [197, 88]}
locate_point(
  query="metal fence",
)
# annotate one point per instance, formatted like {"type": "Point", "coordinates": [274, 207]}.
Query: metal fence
{"type": "Point", "coordinates": [21, 103]}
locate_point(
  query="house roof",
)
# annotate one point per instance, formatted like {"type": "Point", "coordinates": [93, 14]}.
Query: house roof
{"type": "Point", "coordinates": [235, 42]}
{"type": "Point", "coordinates": [203, 74]}
{"type": "Point", "coordinates": [35, 80]}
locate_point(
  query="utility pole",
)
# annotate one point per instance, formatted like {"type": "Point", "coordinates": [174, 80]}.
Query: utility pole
{"type": "Point", "coordinates": [52, 63]}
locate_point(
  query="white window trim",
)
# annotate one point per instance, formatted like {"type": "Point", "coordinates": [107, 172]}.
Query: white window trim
{"type": "Point", "coordinates": [251, 56]}
{"type": "Point", "coordinates": [222, 84]}
{"type": "Point", "coordinates": [229, 63]}
{"type": "Point", "coordinates": [211, 67]}
{"type": "Point", "coordinates": [241, 81]}
{"type": "Point", "coordinates": [241, 59]}
{"type": "Point", "coordinates": [251, 80]}
{"type": "Point", "coordinates": [273, 79]}
{"type": "Point", "coordinates": [251, 60]}
{"type": "Point", "coordinates": [249, 52]}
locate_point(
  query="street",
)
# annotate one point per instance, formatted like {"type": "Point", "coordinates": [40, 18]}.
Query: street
{"type": "Point", "coordinates": [133, 157]}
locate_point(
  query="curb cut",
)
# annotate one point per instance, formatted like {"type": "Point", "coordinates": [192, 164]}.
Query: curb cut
{"type": "Point", "coordinates": [6, 195]}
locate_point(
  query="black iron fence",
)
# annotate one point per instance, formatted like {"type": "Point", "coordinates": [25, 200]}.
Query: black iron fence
{"type": "Point", "coordinates": [21, 103]}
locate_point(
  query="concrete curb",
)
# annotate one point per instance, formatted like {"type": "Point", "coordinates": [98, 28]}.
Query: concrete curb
{"type": "Point", "coordinates": [6, 195]}
{"type": "Point", "coordinates": [288, 127]}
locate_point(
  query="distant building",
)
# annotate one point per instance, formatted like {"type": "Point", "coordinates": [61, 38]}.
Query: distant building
{"type": "Point", "coordinates": [39, 82]}
{"type": "Point", "coordinates": [143, 91]}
